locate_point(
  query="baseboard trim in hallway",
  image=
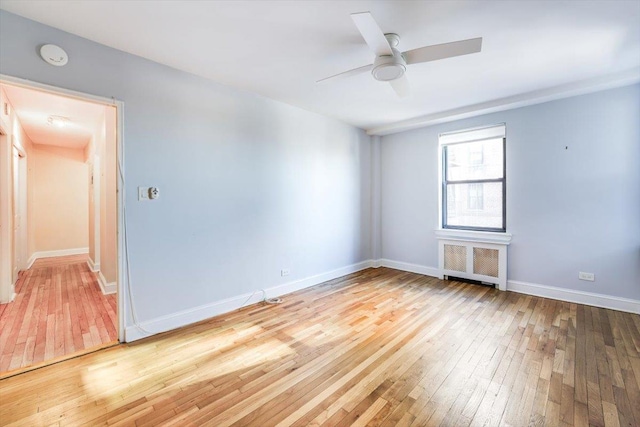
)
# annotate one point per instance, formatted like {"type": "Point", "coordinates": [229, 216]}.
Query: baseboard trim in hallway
{"type": "Point", "coordinates": [54, 254]}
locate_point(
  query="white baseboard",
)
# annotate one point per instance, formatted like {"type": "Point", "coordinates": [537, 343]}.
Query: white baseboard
{"type": "Point", "coordinates": [570, 295]}
{"type": "Point", "coordinates": [13, 297]}
{"type": "Point", "coordinates": [31, 260]}
{"type": "Point", "coordinates": [106, 287]}
{"type": "Point", "coordinates": [206, 311]}
{"type": "Point", "coordinates": [95, 267]}
{"type": "Point", "coordinates": [296, 285]}
{"type": "Point", "coordinates": [51, 254]}
{"type": "Point", "coordinates": [405, 266]}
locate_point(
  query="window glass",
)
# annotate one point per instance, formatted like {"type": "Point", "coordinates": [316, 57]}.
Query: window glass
{"type": "Point", "coordinates": [475, 160]}
{"type": "Point", "coordinates": [477, 205]}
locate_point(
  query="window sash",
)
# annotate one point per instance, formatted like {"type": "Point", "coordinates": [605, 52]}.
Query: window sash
{"type": "Point", "coordinates": [491, 176]}
{"type": "Point", "coordinates": [502, 180]}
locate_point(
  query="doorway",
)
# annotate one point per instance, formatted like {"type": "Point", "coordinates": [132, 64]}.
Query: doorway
{"type": "Point", "coordinates": [59, 220]}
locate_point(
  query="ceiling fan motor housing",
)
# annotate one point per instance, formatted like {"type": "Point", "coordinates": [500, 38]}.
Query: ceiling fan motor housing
{"type": "Point", "coordinates": [389, 67]}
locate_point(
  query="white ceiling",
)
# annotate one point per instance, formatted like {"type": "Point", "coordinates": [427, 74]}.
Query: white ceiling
{"type": "Point", "coordinates": [280, 48]}
{"type": "Point", "coordinates": [34, 108]}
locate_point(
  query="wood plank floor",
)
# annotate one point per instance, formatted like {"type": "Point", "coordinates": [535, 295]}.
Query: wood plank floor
{"type": "Point", "coordinates": [58, 310]}
{"type": "Point", "coordinates": [380, 348]}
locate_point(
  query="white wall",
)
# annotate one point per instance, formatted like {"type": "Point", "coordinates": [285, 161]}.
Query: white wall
{"type": "Point", "coordinates": [59, 205]}
{"type": "Point", "coordinates": [248, 185]}
{"type": "Point", "coordinates": [570, 209]}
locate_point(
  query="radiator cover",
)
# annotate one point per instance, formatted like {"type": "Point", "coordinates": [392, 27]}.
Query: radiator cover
{"type": "Point", "coordinates": [473, 255]}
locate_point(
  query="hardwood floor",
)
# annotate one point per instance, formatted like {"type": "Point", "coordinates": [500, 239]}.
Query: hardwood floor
{"type": "Point", "coordinates": [58, 310]}
{"type": "Point", "coordinates": [379, 347]}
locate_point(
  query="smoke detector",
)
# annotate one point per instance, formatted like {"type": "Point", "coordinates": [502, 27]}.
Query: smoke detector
{"type": "Point", "coordinates": [54, 55]}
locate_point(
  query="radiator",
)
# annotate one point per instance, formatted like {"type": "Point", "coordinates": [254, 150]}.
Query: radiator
{"type": "Point", "coordinates": [473, 255]}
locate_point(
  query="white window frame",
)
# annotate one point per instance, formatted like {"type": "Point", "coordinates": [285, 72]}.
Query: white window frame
{"type": "Point", "coordinates": [494, 131]}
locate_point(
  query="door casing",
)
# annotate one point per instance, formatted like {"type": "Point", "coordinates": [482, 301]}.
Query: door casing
{"type": "Point", "coordinates": [5, 245]}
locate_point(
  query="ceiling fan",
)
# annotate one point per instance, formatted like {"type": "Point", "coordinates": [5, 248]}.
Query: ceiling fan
{"type": "Point", "coordinates": [390, 64]}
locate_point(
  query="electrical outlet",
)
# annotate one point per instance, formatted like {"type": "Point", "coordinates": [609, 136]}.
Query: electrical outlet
{"type": "Point", "coordinates": [284, 272]}
{"type": "Point", "coordinates": [143, 193]}
{"type": "Point", "coordinates": [586, 276]}
{"type": "Point", "coordinates": [154, 192]}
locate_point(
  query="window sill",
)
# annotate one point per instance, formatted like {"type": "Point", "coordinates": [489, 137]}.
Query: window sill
{"type": "Point", "coordinates": [474, 236]}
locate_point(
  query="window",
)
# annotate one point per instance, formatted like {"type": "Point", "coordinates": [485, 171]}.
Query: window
{"type": "Point", "coordinates": [476, 154]}
{"type": "Point", "coordinates": [475, 198]}
{"type": "Point", "coordinates": [473, 179]}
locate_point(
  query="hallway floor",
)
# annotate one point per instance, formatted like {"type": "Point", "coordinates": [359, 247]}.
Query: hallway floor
{"type": "Point", "coordinates": [59, 310]}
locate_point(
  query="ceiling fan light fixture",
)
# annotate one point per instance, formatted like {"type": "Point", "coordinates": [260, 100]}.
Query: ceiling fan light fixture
{"type": "Point", "coordinates": [58, 121]}
{"type": "Point", "coordinates": [388, 72]}
{"type": "Point", "coordinates": [389, 67]}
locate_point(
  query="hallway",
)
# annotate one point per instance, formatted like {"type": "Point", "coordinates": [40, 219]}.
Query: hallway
{"type": "Point", "coordinates": [58, 311]}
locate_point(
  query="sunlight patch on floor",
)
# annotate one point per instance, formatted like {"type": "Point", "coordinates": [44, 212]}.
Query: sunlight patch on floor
{"type": "Point", "coordinates": [115, 382]}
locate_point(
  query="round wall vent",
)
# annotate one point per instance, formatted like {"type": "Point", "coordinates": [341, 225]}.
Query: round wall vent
{"type": "Point", "coordinates": [54, 55]}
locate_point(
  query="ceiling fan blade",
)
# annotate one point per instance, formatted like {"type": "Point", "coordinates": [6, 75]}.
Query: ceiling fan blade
{"type": "Point", "coordinates": [442, 51]}
{"type": "Point", "coordinates": [349, 73]}
{"type": "Point", "coordinates": [372, 33]}
{"type": "Point", "coordinates": [401, 86]}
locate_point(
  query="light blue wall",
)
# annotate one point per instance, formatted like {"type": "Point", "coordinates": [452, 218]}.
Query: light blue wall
{"type": "Point", "coordinates": [248, 185]}
{"type": "Point", "coordinates": [569, 209]}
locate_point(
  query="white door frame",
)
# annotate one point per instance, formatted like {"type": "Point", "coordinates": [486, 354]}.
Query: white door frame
{"type": "Point", "coordinates": [19, 208]}
{"type": "Point", "coordinates": [7, 289]}
{"type": "Point", "coordinates": [121, 285]}
{"type": "Point", "coordinates": [23, 208]}
{"type": "Point", "coordinates": [95, 198]}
